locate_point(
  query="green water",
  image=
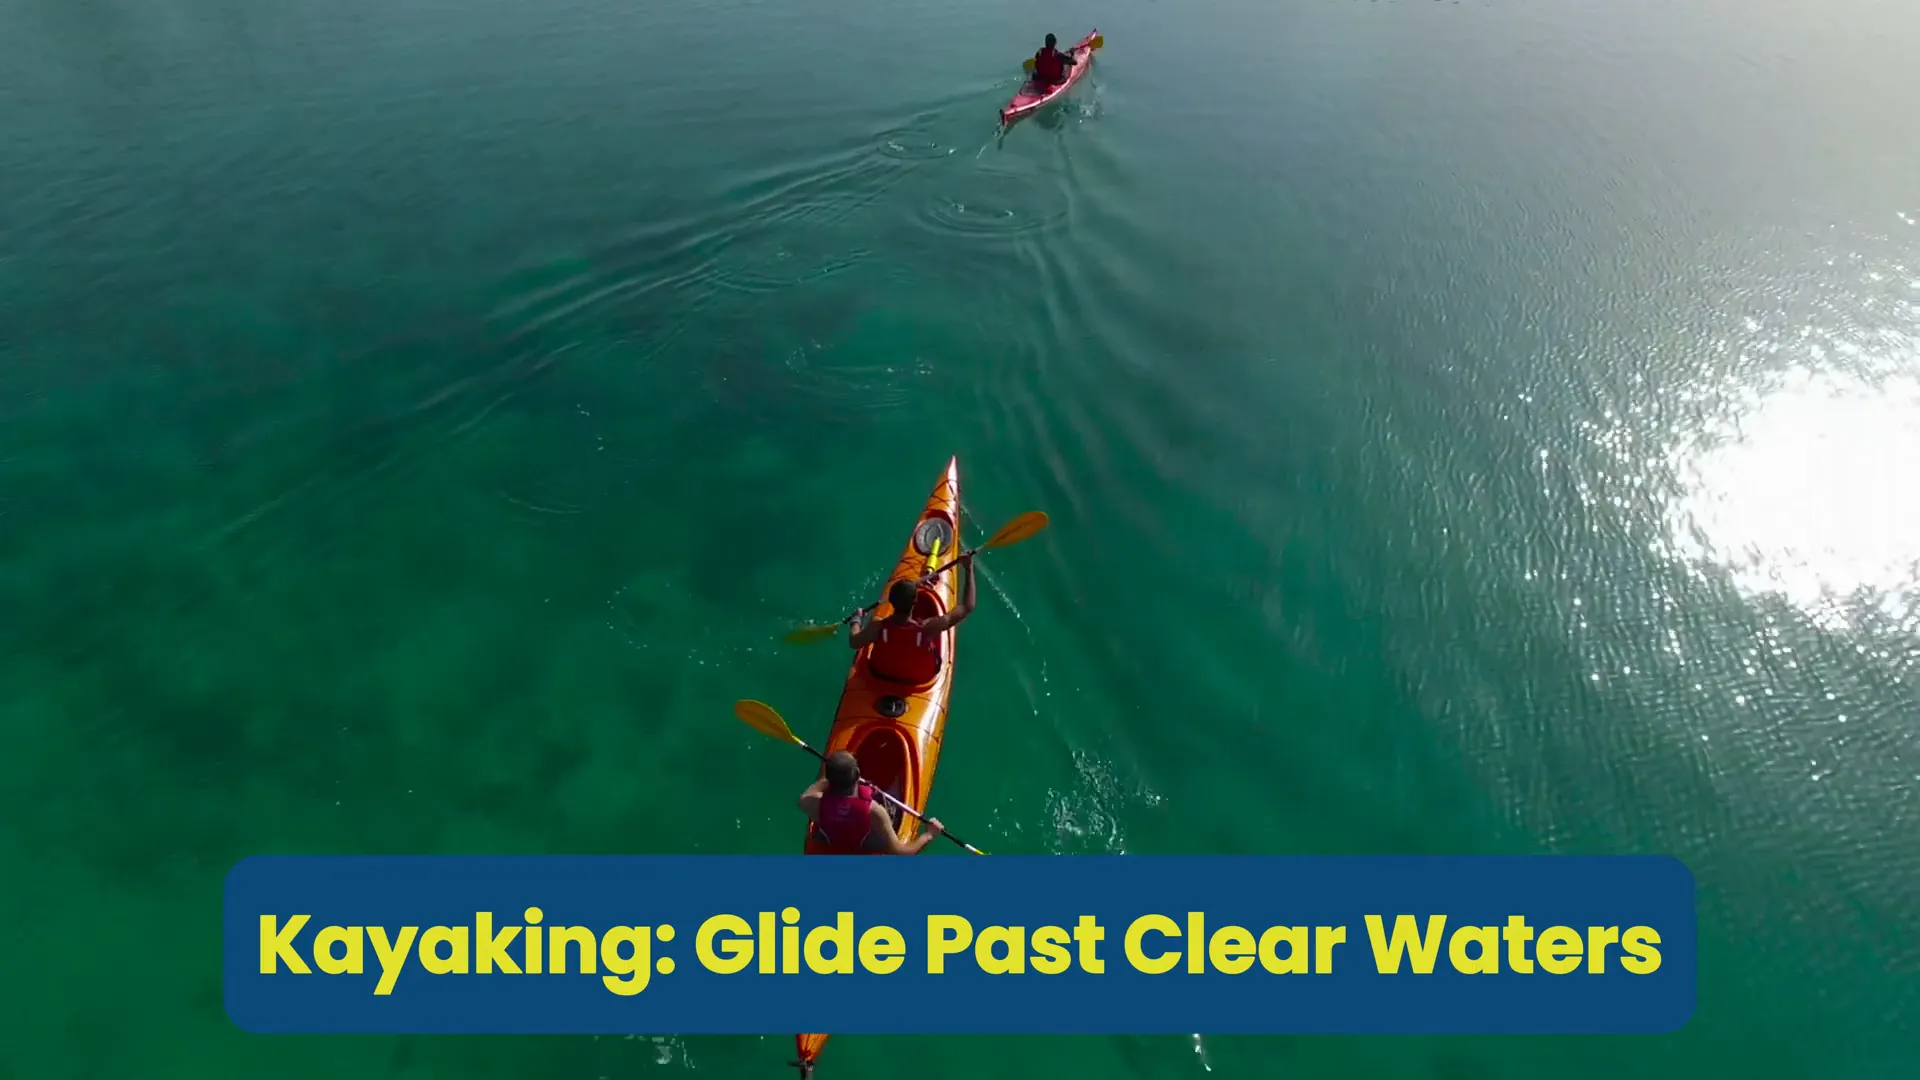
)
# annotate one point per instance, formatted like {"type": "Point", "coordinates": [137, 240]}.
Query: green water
{"type": "Point", "coordinates": [1466, 426]}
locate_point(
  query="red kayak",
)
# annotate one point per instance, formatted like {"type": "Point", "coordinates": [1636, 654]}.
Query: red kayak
{"type": "Point", "coordinates": [1032, 98]}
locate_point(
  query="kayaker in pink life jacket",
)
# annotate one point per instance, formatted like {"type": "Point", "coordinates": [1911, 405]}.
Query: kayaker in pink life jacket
{"type": "Point", "coordinates": [852, 817]}
{"type": "Point", "coordinates": [905, 650]}
{"type": "Point", "coordinates": [1050, 64]}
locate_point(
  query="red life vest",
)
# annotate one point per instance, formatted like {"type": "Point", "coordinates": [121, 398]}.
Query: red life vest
{"type": "Point", "coordinates": [846, 820]}
{"type": "Point", "coordinates": [906, 654]}
{"type": "Point", "coordinates": [1047, 65]}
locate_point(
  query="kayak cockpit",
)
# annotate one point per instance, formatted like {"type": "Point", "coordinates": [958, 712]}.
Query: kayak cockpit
{"type": "Point", "coordinates": [885, 762]}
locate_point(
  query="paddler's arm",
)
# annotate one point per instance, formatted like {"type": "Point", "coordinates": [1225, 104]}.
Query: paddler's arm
{"type": "Point", "coordinates": [941, 623]}
{"type": "Point", "coordinates": [810, 798]}
{"type": "Point", "coordinates": [862, 632]}
{"type": "Point", "coordinates": [883, 828]}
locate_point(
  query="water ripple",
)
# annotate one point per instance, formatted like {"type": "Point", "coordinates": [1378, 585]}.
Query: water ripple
{"type": "Point", "coordinates": [1088, 818]}
{"type": "Point", "coordinates": [995, 206]}
{"type": "Point", "coordinates": [914, 143]}
{"type": "Point", "coordinates": [865, 387]}
{"type": "Point", "coordinates": [766, 230]}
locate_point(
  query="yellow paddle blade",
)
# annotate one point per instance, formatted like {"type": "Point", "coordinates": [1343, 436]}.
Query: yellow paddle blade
{"type": "Point", "coordinates": [807, 634]}
{"type": "Point", "coordinates": [760, 717]}
{"type": "Point", "coordinates": [1020, 528]}
{"type": "Point", "coordinates": [1099, 41]}
{"type": "Point", "coordinates": [1027, 65]}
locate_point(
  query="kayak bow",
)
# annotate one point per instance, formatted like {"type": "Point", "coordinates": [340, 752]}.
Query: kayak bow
{"type": "Point", "coordinates": [894, 729]}
{"type": "Point", "coordinates": [1031, 99]}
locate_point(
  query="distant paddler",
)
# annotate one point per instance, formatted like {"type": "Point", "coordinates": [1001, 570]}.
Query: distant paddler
{"type": "Point", "coordinates": [1050, 65]}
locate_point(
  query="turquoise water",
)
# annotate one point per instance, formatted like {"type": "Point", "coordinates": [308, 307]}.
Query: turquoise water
{"type": "Point", "coordinates": [1466, 427]}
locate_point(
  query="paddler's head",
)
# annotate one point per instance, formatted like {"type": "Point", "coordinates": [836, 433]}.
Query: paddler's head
{"type": "Point", "coordinates": [843, 772]}
{"type": "Point", "coordinates": [1051, 40]}
{"type": "Point", "coordinates": [902, 596]}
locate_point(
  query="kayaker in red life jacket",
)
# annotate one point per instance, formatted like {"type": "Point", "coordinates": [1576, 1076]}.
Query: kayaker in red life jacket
{"type": "Point", "coordinates": [905, 650]}
{"type": "Point", "coordinates": [851, 816]}
{"type": "Point", "coordinates": [1050, 64]}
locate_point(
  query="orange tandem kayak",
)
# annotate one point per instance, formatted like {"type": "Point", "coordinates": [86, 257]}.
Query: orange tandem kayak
{"type": "Point", "coordinates": [894, 728]}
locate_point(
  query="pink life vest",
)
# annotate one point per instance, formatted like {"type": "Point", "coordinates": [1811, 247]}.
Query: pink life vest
{"type": "Point", "coordinates": [847, 820]}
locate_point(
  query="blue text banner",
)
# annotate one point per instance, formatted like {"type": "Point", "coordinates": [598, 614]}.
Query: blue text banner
{"type": "Point", "coordinates": [1004, 944]}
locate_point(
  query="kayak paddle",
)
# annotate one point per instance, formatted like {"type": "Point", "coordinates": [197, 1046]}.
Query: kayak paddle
{"type": "Point", "coordinates": [1099, 42]}
{"type": "Point", "coordinates": [761, 717]}
{"type": "Point", "coordinates": [1020, 528]}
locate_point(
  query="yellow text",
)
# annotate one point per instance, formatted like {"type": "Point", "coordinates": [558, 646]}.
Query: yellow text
{"type": "Point", "coordinates": [1477, 950]}
{"type": "Point", "coordinates": [1009, 950]}
{"type": "Point", "coordinates": [727, 944]}
{"type": "Point", "coordinates": [624, 953]}
{"type": "Point", "coordinates": [1230, 950]}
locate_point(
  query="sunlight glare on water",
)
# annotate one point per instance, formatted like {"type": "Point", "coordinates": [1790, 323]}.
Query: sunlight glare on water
{"type": "Point", "coordinates": [1796, 493]}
